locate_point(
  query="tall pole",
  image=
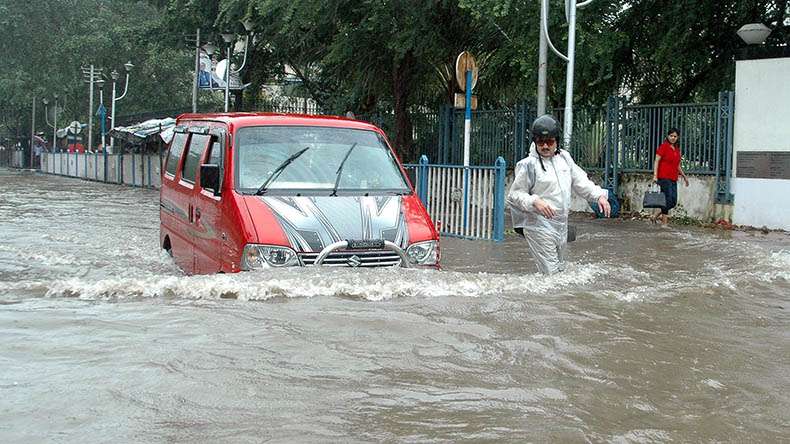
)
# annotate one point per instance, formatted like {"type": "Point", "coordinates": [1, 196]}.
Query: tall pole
{"type": "Point", "coordinates": [468, 118]}
{"type": "Point", "coordinates": [227, 78]}
{"type": "Point", "coordinates": [568, 124]}
{"type": "Point", "coordinates": [102, 122]}
{"type": "Point", "coordinates": [90, 111]}
{"type": "Point", "coordinates": [197, 71]}
{"type": "Point", "coordinates": [55, 126]}
{"type": "Point", "coordinates": [128, 66]}
{"type": "Point", "coordinates": [32, 130]}
{"type": "Point", "coordinates": [542, 64]}
{"type": "Point", "coordinates": [112, 113]}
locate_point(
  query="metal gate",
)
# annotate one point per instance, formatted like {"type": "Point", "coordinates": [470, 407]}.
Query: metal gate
{"type": "Point", "coordinates": [466, 202]}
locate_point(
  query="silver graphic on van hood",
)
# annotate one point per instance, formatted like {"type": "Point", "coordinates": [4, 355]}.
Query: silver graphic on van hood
{"type": "Point", "coordinates": [313, 222]}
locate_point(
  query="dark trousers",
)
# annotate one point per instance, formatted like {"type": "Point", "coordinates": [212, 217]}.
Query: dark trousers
{"type": "Point", "coordinates": [670, 190]}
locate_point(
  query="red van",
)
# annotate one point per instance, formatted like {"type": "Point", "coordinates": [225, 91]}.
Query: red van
{"type": "Point", "coordinates": [244, 191]}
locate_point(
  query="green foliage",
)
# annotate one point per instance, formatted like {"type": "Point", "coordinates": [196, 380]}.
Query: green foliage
{"type": "Point", "coordinates": [377, 56]}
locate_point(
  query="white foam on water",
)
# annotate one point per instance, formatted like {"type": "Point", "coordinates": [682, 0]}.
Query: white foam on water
{"type": "Point", "coordinates": [370, 285]}
{"type": "Point", "coordinates": [776, 267]}
{"type": "Point", "coordinates": [642, 436]}
{"type": "Point", "coordinates": [712, 383]}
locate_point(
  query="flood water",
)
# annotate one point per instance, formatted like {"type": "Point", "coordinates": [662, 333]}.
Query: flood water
{"type": "Point", "coordinates": [651, 335]}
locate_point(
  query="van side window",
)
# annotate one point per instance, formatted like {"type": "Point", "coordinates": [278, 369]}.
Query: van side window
{"type": "Point", "coordinates": [174, 155]}
{"type": "Point", "coordinates": [197, 145]}
{"type": "Point", "coordinates": [214, 154]}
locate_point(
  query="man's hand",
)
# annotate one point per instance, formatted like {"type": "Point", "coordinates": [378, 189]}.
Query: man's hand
{"type": "Point", "coordinates": [685, 179]}
{"type": "Point", "coordinates": [603, 206]}
{"type": "Point", "coordinates": [544, 208]}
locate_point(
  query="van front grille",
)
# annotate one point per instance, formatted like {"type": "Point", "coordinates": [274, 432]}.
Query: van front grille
{"type": "Point", "coordinates": [364, 258]}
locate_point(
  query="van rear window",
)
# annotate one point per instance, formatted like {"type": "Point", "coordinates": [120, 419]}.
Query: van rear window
{"type": "Point", "coordinates": [174, 155]}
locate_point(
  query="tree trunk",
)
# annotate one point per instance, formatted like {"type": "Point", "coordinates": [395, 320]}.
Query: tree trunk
{"type": "Point", "coordinates": [402, 77]}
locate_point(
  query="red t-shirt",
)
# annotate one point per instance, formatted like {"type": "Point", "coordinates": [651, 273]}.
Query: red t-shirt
{"type": "Point", "coordinates": [669, 165]}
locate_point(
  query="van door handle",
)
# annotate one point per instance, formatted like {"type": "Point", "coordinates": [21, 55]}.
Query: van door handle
{"type": "Point", "coordinates": [189, 216]}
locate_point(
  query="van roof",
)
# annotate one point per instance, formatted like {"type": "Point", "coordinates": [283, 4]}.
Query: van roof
{"type": "Point", "coordinates": [242, 119]}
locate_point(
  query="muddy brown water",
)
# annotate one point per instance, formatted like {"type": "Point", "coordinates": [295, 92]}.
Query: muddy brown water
{"type": "Point", "coordinates": [650, 336]}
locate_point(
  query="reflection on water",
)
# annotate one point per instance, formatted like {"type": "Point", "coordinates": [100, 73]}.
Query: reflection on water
{"type": "Point", "coordinates": [649, 336]}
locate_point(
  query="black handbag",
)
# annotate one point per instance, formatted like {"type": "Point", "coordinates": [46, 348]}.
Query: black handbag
{"type": "Point", "coordinates": [654, 198]}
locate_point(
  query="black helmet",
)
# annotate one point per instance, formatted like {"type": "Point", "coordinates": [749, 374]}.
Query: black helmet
{"type": "Point", "coordinates": [546, 126]}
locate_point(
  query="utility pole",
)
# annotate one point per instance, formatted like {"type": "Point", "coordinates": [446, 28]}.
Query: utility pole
{"type": "Point", "coordinates": [197, 70]}
{"type": "Point", "coordinates": [32, 130]}
{"type": "Point", "coordinates": [90, 75]}
{"type": "Point", "coordinates": [542, 63]}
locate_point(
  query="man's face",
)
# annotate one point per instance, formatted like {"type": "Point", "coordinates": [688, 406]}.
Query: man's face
{"type": "Point", "coordinates": [546, 146]}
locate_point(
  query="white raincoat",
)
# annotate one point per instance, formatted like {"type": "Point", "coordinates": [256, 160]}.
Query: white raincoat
{"type": "Point", "coordinates": [548, 238]}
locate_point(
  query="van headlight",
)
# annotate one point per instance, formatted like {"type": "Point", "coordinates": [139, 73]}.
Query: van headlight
{"type": "Point", "coordinates": [423, 253]}
{"type": "Point", "coordinates": [260, 256]}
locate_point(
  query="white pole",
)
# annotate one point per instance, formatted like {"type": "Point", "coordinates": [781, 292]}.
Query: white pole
{"type": "Point", "coordinates": [90, 112]}
{"type": "Point", "coordinates": [112, 118]}
{"type": "Point", "coordinates": [568, 126]}
{"type": "Point", "coordinates": [227, 78]}
{"type": "Point", "coordinates": [32, 131]}
{"type": "Point", "coordinates": [55, 127]}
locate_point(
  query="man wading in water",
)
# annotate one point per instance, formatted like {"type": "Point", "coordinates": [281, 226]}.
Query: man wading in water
{"type": "Point", "coordinates": [540, 196]}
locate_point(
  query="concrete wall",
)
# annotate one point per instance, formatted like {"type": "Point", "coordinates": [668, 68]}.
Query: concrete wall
{"type": "Point", "coordinates": [762, 123]}
{"type": "Point", "coordinates": [696, 201]}
{"type": "Point", "coordinates": [141, 170]}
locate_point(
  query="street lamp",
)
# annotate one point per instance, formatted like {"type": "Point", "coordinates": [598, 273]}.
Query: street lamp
{"type": "Point", "coordinates": [228, 38]}
{"type": "Point", "coordinates": [570, 15]}
{"type": "Point", "coordinates": [114, 74]}
{"type": "Point", "coordinates": [754, 33]}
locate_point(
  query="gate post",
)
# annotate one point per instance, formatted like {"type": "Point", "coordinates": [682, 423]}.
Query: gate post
{"type": "Point", "coordinates": [520, 131]}
{"type": "Point", "coordinates": [724, 131]}
{"type": "Point", "coordinates": [611, 153]}
{"type": "Point", "coordinates": [422, 180]}
{"type": "Point", "coordinates": [499, 200]}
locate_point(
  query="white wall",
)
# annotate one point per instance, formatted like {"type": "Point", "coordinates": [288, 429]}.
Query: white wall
{"type": "Point", "coordinates": [762, 203]}
{"type": "Point", "coordinates": [762, 123]}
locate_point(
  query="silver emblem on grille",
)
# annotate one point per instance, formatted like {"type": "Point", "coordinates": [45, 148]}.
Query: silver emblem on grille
{"type": "Point", "coordinates": [354, 261]}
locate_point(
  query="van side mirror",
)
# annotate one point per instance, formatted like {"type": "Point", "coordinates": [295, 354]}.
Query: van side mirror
{"type": "Point", "coordinates": [209, 177]}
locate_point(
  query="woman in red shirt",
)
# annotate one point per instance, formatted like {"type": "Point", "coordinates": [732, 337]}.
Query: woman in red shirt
{"type": "Point", "coordinates": [666, 169]}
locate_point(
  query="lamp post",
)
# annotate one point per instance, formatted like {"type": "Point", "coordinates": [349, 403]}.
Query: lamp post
{"type": "Point", "coordinates": [114, 74]}
{"type": "Point", "coordinates": [570, 15]}
{"type": "Point", "coordinates": [54, 125]}
{"type": "Point", "coordinates": [229, 38]}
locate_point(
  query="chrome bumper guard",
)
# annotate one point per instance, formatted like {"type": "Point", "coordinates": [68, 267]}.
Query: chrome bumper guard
{"type": "Point", "coordinates": [404, 260]}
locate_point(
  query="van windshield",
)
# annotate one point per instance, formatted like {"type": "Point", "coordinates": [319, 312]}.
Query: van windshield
{"type": "Point", "coordinates": [314, 160]}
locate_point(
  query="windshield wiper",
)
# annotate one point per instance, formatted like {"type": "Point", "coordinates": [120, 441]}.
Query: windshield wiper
{"type": "Point", "coordinates": [340, 170]}
{"type": "Point", "coordinates": [278, 170]}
